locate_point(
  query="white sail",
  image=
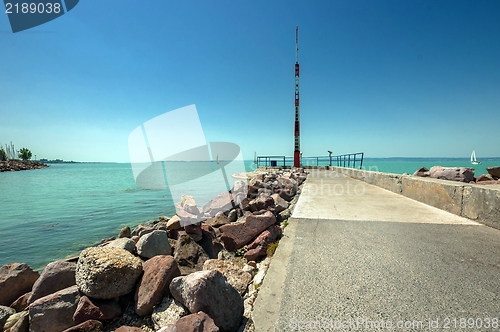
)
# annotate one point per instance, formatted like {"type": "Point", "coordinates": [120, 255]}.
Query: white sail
{"type": "Point", "coordinates": [473, 159]}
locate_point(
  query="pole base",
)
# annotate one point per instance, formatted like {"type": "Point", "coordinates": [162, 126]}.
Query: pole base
{"type": "Point", "coordinates": [296, 159]}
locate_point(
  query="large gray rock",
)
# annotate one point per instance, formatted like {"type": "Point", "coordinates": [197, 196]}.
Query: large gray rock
{"type": "Point", "coordinates": [55, 276]}
{"type": "Point", "coordinates": [158, 273]}
{"type": "Point", "coordinates": [5, 313]}
{"type": "Point", "coordinates": [235, 275]}
{"type": "Point", "coordinates": [152, 244]}
{"type": "Point", "coordinates": [198, 322]}
{"type": "Point", "coordinates": [189, 255]}
{"type": "Point", "coordinates": [16, 279]}
{"type": "Point", "coordinates": [236, 235]}
{"type": "Point", "coordinates": [279, 203]}
{"type": "Point", "coordinates": [54, 312]}
{"type": "Point", "coordinates": [168, 311]}
{"type": "Point", "coordinates": [220, 203]}
{"type": "Point", "coordinates": [107, 272]}
{"type": "Point", "coordinates": [123, 243]}
{"type": "Point", "coordinates": [209, 291]}
{"type": "Point", "coordinates": [462, 174]}
{"type": "Point", "coordinates": [494, 171]}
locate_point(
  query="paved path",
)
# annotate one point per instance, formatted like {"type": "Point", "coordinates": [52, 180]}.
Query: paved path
{"type": "Point", "coordinates": [357, 257]}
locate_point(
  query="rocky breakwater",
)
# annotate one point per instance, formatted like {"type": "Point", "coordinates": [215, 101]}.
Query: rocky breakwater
{"type": "Point", "coordinates": [199, 270]}
{"type": "Point", "coordinates": [461, 174]}
{"type": "Point", "coordinates": [16, 165]}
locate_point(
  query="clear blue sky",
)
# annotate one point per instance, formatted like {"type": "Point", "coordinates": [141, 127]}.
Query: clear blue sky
{"type": "Point", "coordinates": [389, 78]}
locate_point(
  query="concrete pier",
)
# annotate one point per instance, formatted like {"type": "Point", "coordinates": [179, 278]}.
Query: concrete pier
{"type": "Point", "coordinates": [358, 257]}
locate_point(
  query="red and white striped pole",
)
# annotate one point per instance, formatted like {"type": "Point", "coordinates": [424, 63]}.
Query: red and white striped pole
{"type": "Point", "coordinates": [296, 151]}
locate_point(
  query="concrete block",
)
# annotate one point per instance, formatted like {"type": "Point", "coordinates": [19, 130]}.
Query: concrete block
{"type": "Point", "coordinates": [482, 204]}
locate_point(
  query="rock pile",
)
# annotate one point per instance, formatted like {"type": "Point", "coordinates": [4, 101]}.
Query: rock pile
{"type": "Point", "coordinates": [197, 271]}
{"type": "Point", "coordinates": [461, 174]}
{"type": "Point", "coordinates": [16, 165]}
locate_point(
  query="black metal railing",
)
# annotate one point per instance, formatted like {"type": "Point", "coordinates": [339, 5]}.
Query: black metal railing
{"type": "Point", "coordinates": [351, 160]}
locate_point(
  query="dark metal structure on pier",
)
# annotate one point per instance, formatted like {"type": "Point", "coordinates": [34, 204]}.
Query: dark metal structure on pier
{"type": "Point", "coordinates": [350, 160]}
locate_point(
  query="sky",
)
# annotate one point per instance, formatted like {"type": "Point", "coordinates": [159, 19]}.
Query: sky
{"type": "Point", "coordinates": [387, 78]}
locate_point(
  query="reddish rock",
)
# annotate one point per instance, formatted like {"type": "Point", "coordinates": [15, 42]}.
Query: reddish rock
{"type": "Point", "coordinates": [189, 255]}
{"type": "Point", "coordinates": [54, 312]}
{"type": "Point", "coordinates": [461, 174]}
{"type": "Point", "coordinates": [220, 203]}
{"type": "Point", "coordinates": [153, 244]}
{"type": "Point", "coordinates": [262, 202]}
{"type": "Point", "coordinates": [236, 276]}
{"type": "Point", "coordinates": [98, 310]}
{"type": "Point", "coordinates": [194, 230]}
{"type": "Point", "coordinates": [258, 248]}
{"type": "Point", "coordinates": [187, 218]}
{"type": "Point", "coordinates": [128, 329]}
{"type": "Point", "coordinates": [16, 279]}
{"type": "Point", "coordinates": [245, 204]}
{"type": "Point", "coordinates": [288, 188]}
{"type": "Point", "coordinates": [209, 291]}
{"type": "Point", "coordinates": [199, 322]}
{"type": "Point", "coordinates": [21, 303]}
{"type": "Point", "coordinates": [236, 235]}
{"type": "Point", "coordinates": [87, 326]}
{"type": "Point", "coordinates": [158, 273]}
{"type": "Point", "coordinates": [494, 171]}
{"type": "Point", "coordinates": [55, 276]}
{"type": "Point", "coordinates": [174, 223]}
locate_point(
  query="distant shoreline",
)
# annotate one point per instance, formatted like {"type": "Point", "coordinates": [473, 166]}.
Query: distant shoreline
{"type": "Point", "coordinates": [16, 165]}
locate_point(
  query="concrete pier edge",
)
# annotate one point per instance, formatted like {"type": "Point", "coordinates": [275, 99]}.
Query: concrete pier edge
{"type": "Point", "coordinates": [480, 203]}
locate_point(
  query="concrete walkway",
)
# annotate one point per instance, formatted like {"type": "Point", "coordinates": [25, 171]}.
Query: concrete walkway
{"type": "Point", "coordinates": [358, 257]}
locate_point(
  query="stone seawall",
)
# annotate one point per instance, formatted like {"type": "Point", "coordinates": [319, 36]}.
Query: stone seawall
{"type": "Point", "coordinates": [480, 203]}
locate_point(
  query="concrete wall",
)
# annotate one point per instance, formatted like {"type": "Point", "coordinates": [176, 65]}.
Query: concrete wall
{"type": "Point", "coordinates": [480, 203]}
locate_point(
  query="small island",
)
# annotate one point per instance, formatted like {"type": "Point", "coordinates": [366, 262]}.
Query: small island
{"type": "Point", "coordinates": [10, 160]}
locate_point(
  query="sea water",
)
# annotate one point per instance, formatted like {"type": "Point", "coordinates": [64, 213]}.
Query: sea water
{"type": "Point", "coordinates": [50, 213]}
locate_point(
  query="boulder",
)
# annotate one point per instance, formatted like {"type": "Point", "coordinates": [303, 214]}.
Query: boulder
{"type": "Point", "coordinates": [494, 171]}
{"type": "Point", "coordinates": [188, 204]}
{"type": "Point", "coordinates": [87, 326]}
{"type": "Point", "coordinates": [129, 329]}
{"type": "Point", "coordinates": [107, 272]}
{"type": "Point", "coordinates": [54, 312]}
{"type": "Point", "coordinates": [207, 243]}
{"type": "Point", "coordinates": [462, 174]}
{"type": "Point", "coordinates": [153, 286]}
{"type": "Point", "coordinates": [16, 279]}
{"type": "Point", "coordinates": [284, 215]}
{"type": "Point", "coordinates": [194, 230]}
{"type": "Point", "coordinates": [262, 202]}
{"type": "Point", "coordinates": [209, 291]}
{"type": "Point", "coordinates": [199, 322]}
{"type": "Point", "coordinates": [21, 303]}
{"type": "Point", "coordinates": [152, 244]}
{"type": "Point", "coordinates": [279, 203]}
{"type": "Point", "coordinates": [219, 219]}
{"type": "Point", "coordinates": [125, 233]}
{"type": "Point", "coordinates": [98, 310]}
{"type": "Point", "coordinates": [484, 178]}
{"type": "Point", "coordinates": [55, 276]}
{"type": "Point", "coordinates": [123, 243]}
{"type": "Point", "coordinates": [142, 229]}
{"type": "Point", "coordinates": [220, 203]}
{"type": "Point", "coordinates": [22, 324]}
{"type": "Point", "coordinates": [189, 255]}
{"type": "Point", "coordinates": [235, 276]}
{"type": "Point", "coordinates": [258, 248]}
{"type": "Point", "coordinates": [236, 235]}
{"type": "Point", "coordinates": [231, 217]}
{"type": "Point", "coordinates": [5, 313]}
{"type": "Point", "coordinates": [422, 172]}
{"type": "Point", "coordinates": [288, 188]}
{"type": "Point", "coordinates": [187, 218]}
{"type": "Point", "coordinates": [174, 223]}
{"type": "Point", "coordinates": [168, 311]}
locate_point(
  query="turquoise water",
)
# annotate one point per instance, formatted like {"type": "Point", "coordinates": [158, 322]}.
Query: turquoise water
{"type": "Point", "coordinates": [50, 213]}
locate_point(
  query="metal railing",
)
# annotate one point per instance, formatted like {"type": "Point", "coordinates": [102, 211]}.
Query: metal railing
{"type": "Point", "coordinates": [351, 160]}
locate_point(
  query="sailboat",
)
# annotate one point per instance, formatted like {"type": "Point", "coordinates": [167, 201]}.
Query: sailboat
{"type": "Point", "coordinates": [255, 157]}
{"type": "Point", "coordinates": [473, 159]}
